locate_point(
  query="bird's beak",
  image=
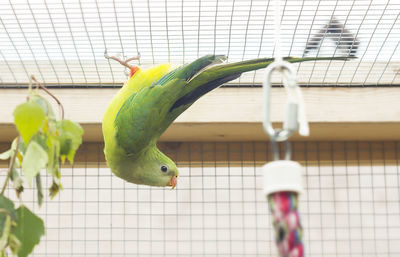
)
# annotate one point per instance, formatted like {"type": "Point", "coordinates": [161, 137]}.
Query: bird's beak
{"type": "Point", "coordinates": [173, 182]}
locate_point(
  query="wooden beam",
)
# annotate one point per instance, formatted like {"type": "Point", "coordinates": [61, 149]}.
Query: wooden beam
{"type": "Point", "coordinates": [234, 114]}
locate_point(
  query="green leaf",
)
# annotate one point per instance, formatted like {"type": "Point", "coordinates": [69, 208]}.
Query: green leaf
{"type": "Point", "coordinates": [46, 107]}
{"type": "Point", "coordinates": [28, 117]}
{"type": "Point", "coordinates": [14, 244]}
{"type": "Point", "coordinates": [40, 139]}
{"type": "Point", "coordinates": [6, 155]}
{"type": "Point", "coordinates": [17, 180]}
{"type": "Point", "coordinates": [6, 233]}
{"type": "Point", "coordinates": [70, 138]}
{"type": "Point", "coordinates": [53, 151]}
{"type": "Point", "coordinates": [7, 211]}
{"type": "Point", "coordinates": [34, 160]}
{"type": "Point", "coordinates": [7, 205]}
{"type": "Point", "coordinates": [21, 147]}
{"type": "Point", "coordinates": [14, 172]}
{"type": "Point", "coordinates": [39, 189]}
{"type": "Point", "coordinates": [29, 230]}
{"type": "Point", "coordinates": [65, 143]}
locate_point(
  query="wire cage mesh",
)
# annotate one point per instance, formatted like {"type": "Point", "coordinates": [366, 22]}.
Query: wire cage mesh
{"type": "Point", "coordinates": [351, 202]}
{"type": "Point", "coordinates": [350, 206]}
{"type": "Point", "coordinates": [63, 42]}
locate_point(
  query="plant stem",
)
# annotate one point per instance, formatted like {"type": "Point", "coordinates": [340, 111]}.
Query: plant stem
{"type": "Point", "coordinates": [5, 212]}
{"type": "Point", "coordinates": [10, 168]}
{"type": "Point", "coordinates": [50, 94]}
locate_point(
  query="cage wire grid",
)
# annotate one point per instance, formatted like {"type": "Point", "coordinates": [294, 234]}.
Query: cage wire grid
{"type": "Point", "coordinates": [350, 206]}
{"type": "Point", "coordinates": [63, 42]}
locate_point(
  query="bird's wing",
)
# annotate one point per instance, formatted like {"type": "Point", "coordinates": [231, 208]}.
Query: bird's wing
{"type": "Point", "coordinates": [140, 80]}
{"type": "Point", "coordinates": [142, 116]}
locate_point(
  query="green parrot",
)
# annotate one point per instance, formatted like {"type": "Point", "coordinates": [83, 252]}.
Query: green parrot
{"type": "Point", "coordinates": [150, 101]}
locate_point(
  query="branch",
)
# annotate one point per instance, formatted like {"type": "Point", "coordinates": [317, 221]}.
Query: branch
{"type": "Point", "coordinates": [50, 94]}
{"type": "Point", "coordinates": [10, 168]}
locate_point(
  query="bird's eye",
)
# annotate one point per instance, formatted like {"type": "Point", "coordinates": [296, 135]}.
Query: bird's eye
{"type": "Point", "coordinates": [164, 168]}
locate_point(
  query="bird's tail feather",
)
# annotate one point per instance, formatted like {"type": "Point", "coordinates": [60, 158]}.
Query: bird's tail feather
{"type": "Point", "coordinates": [215, 76]}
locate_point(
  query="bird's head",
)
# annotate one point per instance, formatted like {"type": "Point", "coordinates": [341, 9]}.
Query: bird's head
{"type": "Point", "coordinates": [166, 171]}
{"type": "Point", "coordinates": [157, 169]}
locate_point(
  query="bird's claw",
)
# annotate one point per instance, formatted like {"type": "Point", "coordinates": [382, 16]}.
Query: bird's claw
{"type": "Point", "coordinates": [118, 59]}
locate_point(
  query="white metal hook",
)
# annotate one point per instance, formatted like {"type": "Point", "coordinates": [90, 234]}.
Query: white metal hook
{"type": "Point", "coordinates": [295, 119]}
